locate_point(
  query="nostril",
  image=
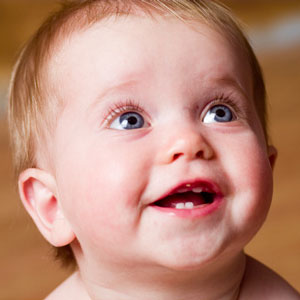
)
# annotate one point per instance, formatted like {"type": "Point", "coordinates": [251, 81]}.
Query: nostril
{"type": "Point", "coordinates": [206, 154]}
{"type": "Point", "coordinates": [176, 155]}
{"type": "Point", "coordinates": [199, 154]}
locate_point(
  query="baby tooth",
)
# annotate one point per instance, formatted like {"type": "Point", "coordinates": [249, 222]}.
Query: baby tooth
{"type": "Point", "coordinates": [189, 205]}
{"type": "Point", "coordinates": [179, 205]}
{"type": "Point", "coordinates": [197, 190]}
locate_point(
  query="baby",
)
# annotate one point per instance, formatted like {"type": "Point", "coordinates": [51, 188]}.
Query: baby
{"type": "Point", "coordinates": [140, 143]}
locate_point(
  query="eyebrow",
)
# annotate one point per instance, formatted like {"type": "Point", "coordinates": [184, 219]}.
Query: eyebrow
{"type": "Point", "coordinates": [124, 84]}
{"type": "Point", "coordinates": [132, 79]}
{"type": "Point", "coordinates": [117, 85]}
{"type": "Point", "coordinates": [223, 81]}
{"type": "Point", "coordinates": [229, 81]}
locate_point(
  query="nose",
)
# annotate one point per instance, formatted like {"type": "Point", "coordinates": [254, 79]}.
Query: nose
{"type": "Point", "coordinates": [186, 144]}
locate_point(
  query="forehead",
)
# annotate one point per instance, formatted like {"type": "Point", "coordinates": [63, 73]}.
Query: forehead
{"type": "Point", "coordinates": [128, 49]}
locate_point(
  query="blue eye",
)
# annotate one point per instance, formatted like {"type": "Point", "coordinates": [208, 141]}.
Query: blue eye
{"type": "Point", "coordinates": [219, 113]}
{"type": "Point", "coordinates": [127, 121]}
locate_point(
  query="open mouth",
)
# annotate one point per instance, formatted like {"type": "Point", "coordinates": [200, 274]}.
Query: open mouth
{"type": "Point", "coordinates": [189, 196]}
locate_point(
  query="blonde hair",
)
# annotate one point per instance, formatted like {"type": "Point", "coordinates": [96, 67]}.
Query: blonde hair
{"type": "Point", "coordinates": [33, 107]}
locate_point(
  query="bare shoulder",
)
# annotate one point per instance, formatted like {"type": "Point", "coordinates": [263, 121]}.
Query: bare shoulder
{"type": "Point", "coordinates": [71, 288]}
{"type": "Point", "coordinates": [260, 282]}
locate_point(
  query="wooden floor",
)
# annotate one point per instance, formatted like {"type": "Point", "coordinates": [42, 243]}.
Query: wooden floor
{"type": "Point", "coordinates": [27, 270]}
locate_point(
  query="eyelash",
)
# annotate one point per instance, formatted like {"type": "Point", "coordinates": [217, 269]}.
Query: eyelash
{"type": "Point", "coordinates": [130, 105]}
{"type": "Point", "coordinates": [118, 108]}
{"type": "Point", "coordinates": [225, 100]}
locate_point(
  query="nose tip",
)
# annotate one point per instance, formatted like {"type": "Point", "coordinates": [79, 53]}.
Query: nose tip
{"type": "Point", "coordinates": [189, 146]}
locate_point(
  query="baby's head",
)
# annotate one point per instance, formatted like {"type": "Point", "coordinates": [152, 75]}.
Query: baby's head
{"type": "Point", "coordinates": [183, 78]}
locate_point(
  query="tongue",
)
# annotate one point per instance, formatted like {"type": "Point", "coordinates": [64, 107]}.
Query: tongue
{"type": "Point", "coordinates": [172, 200]}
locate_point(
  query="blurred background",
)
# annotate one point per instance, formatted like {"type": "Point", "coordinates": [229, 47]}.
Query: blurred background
{"type": "Point", "coordinates": [27, 270]}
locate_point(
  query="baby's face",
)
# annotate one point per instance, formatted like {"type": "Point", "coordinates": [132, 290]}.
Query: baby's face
{"type": "Point", "coordinates": [159, 154]}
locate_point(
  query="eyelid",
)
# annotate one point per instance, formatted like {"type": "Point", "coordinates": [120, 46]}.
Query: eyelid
{"type": "Point", "coordinates": [117, 109]}
{"type": "Point", "coordinates": [223, 100]}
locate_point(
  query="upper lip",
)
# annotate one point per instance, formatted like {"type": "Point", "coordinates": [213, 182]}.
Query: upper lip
{"type": "Point", "coordinates": [207, 186]}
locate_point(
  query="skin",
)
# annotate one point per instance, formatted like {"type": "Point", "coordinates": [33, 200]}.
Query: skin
{"type": "Point", "coordinates": [95, 190]}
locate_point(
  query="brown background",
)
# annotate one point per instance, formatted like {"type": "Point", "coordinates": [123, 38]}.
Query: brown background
{"type": "Point", "coordinates": [26, 268]}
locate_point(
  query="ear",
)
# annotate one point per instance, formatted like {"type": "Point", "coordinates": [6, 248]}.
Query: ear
{"type": "Point", "coordinates": [272, 153]}
{"type": "Point", "coordinates": [37, 191]}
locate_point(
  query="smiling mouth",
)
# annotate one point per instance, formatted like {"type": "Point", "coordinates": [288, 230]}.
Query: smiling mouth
{"type": "Point", "coordinates": [189, 196]}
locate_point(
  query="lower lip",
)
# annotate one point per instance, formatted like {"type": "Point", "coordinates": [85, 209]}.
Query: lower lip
{"type": "Point", "coordinates": [197, 212]}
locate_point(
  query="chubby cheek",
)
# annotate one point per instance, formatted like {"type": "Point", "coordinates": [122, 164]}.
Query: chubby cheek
{"type": "Point", "coordinates": [251, 176]}
{"type": "Point", "coordinates": [102, 199]}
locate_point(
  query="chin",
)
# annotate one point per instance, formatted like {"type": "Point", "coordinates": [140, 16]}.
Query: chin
{"type": "Point", "coordinates": [187, 260]}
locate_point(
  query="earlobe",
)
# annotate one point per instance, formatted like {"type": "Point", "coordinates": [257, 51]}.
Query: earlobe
{"type": "Point", "coordinates": [37, 190]}
{"type": "Point", "coordinates": [272, 153]}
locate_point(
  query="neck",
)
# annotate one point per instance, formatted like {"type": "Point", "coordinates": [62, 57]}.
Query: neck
{"type": "Point", "coordinates": [216, 281]}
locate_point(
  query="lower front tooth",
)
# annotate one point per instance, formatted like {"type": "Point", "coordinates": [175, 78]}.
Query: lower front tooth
{"type": "Point", "coordinates": [189, 205]}
{"type": "Point", "coordinates": [180, 205]}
